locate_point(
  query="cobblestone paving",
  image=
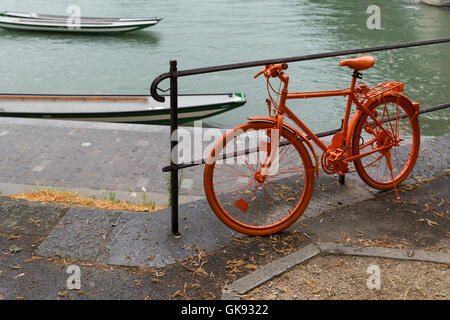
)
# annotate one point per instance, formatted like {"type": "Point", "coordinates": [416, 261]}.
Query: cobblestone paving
{"type": "Point", "coordinates": [118, 157]}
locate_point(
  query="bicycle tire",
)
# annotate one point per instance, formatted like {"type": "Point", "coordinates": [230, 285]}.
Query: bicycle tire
{"type": "Point", "coordinates": [246, 207]}
{"type": "Point", "coordinates": [404, 154]}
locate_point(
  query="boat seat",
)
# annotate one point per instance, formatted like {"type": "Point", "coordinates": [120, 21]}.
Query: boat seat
{"type": "Point", "coordinates": [360, 63]}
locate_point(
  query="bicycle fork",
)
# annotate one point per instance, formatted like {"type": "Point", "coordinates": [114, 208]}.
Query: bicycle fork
{"type": "Point", "coordinates": [271, 157]}
{"type": "Point", "coordinates": [387, 154]}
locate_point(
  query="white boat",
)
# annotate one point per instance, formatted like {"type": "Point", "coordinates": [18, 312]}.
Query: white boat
{"type": "Point", "coordinates": [438, 3]}
{"type": "Point", "coordinates": [117, 108]}
{"type": "Point", "coordinates": [65, 18]}
{"type": "Point", "coordinates": [54, 23]}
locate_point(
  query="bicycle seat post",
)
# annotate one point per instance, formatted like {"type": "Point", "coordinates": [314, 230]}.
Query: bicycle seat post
{"type": "Point", "coordinates": [357, 74]}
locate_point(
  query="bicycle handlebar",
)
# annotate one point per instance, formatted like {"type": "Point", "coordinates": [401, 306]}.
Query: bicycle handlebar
{"type": "Point", "coordinates": [272, 70]}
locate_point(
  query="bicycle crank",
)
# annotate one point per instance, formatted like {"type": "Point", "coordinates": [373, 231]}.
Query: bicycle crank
{"type": "Point", "coordinates": [333, 161]}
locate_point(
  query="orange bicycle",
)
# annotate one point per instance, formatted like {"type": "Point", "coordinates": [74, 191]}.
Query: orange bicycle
{"type": "Point", "coordinates": [259, 177]}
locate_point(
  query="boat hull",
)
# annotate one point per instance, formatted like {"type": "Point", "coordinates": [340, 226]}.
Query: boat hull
{"type": "Point", "coordinates": [149, 113]}
{"type": "Point", "coordinates": [124, 29]}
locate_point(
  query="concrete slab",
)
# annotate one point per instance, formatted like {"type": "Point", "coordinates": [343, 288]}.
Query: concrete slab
{"type": "Point", "coordinates": [134, 238]}
{"type": "Point", "coordinates": [82, 234]}
{"type": "Point", "coordinates": [28, 218]}
{"type": "Point", "coordinates": [393, 253]}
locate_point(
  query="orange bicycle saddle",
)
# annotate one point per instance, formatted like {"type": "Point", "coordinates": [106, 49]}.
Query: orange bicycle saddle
{"type": "Point", "coordinates": [360, 63]}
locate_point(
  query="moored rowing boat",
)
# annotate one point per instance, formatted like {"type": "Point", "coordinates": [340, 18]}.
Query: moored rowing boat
{"type": "Point", "coordinates": [117, 108]}
{"type": "Point", "coordinates": [54, 23]}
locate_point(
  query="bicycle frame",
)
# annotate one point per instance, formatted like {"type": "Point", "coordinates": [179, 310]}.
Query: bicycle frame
{"type": "Point", "coordinates": [352, 98]}
{"type": "Point", "coordinates": [290, 177]}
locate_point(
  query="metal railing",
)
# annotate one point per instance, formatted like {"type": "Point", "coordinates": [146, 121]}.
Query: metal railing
{"type": "Point", "coordinates": [174, 74]}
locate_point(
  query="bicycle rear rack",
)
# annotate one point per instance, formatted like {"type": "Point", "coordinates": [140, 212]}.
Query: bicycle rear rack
{"type": "Point", "coordinates": [363, 92]}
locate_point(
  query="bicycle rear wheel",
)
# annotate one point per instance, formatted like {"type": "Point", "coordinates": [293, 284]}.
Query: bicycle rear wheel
{"type": "Point", "coordinates": [399, 126]}
{"type": "Point", "coordinates": [246, 199]}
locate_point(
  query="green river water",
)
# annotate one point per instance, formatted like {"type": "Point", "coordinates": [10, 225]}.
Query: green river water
{"type": "Point", "coordinates": [205, 33]}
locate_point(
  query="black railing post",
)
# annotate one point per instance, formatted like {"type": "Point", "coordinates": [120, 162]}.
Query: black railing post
{"type": "Point", "coordinates": [173, 144]}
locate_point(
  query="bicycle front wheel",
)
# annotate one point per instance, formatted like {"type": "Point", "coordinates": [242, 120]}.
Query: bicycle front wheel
{"type": "Point", "coordinates": [255, 187]}
{"type": "Point", "coordinates": [397, 126]}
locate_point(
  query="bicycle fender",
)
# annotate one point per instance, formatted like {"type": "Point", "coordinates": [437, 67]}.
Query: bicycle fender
{"type": "Point", "coordinates": [294, 130]}
{"type": "Point", "coordinates": [359, 112]}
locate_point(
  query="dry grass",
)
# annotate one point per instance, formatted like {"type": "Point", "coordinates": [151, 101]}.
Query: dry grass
{"type": "Point", "coordinates": [70, 199]}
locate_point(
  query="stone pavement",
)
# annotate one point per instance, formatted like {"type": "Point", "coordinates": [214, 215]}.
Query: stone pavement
{"type": "Point", "coordinates": [93, 157]}
{"type": "Point", "coordinates": [119, 157]}
{"type": "Point", "coordinates": [89, 157]}
{"type": "Point", "coordinates": [420, 221]}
